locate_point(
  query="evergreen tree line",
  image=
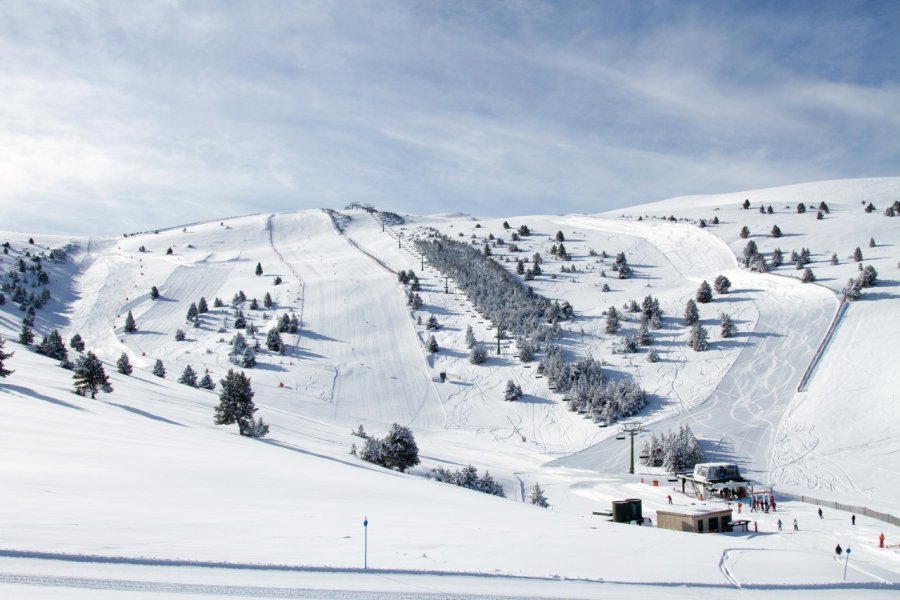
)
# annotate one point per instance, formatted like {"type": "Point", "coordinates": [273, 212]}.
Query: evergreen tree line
{"type": "Point", "coordinates": [674, 450]}
{"type": "Point", "coordinates": [468, 478]}
{"type": "Point", "coordinates": [495, 292]}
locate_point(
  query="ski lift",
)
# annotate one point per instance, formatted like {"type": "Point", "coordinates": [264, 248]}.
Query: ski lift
{"type": "Point", "coordinates": [620, 435]}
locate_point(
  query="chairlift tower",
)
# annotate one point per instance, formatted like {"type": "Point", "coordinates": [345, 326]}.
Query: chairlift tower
{"type": "Point", "coordinates": [632, 430]}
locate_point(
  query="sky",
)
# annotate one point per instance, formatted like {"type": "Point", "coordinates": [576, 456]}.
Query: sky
{"type": "Point", "coordinates": [119, 117]}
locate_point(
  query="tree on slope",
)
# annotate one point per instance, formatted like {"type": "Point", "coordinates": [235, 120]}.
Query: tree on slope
{"type": "Point", "coordinates": [53, 346]}
{"type": "Point", "coordinates": [698, 338]}
{"type": "Point", "coordinates": [399, 448]}
{"type": "Point", "coordinates": [536, 496]}
{"type": "Point", "coordinates": [721, 284]}
{"type": "Point", "coordinates": [728, 328]}
{"type": "Point", "coordinates": [188, 376]}
{"type": "Point", "coordinates": [123, 365]}
{"type": "Point", "coordinates": [612, 320]}
{"type": "Point", "coordinates": [704, 293]}
{"type": "Point", "coordinates": [259, 269]}
{"type": "Point", "coordinates": [691, 314]}
{"type": "Point", "coordinates": [26, 334]}
{"type": "Point", "coordinates": [236, 404]}
{"type": "Point", "coordinates": [76, 343]}
{"type": "Point", "coordinates": [130, 325]}
{"type": "Point", "coordinates": [206, 382]}
{"type": "Point", "coordinates": [158, 369]}
{"type": "Point", "coordinates": [274, 342]}
{"type": "Point", "coordinates": [513, 391]}
{"type": "Point", "coordinates": [4, 356]}
{"type": "Point", "coordinates": [89, 375]}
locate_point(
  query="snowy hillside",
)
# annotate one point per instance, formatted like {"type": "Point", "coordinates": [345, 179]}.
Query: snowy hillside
{"type": "Point", "coordinates": [142, 472]}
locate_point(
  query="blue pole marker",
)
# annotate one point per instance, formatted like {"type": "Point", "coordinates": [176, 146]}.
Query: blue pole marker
{"type": "Point", "coordinates": [366, 542]}
{"type": "Point", "coordinates": [846, 560]}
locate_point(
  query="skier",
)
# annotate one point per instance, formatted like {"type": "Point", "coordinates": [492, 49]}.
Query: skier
{"type": "Point", "coordinates": [670, 498]}
{"type": "Point", "coordinates": [820, 513]}
{"type": "Point", "coordinates": [838, 550]}
{"type": "Point", "coordinates": [853, 519]}
{"type": "Point", "coordinates": [795, 525]}
{"type": "Point", "coordinates": [779, 524]}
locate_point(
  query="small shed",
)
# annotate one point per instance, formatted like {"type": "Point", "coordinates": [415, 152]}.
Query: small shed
{"type": "Point", "coordinates": [695, 519]}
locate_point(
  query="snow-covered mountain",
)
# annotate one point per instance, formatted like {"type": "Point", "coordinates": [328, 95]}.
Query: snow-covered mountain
{"type": "Point", "coordinates": [803, 396]}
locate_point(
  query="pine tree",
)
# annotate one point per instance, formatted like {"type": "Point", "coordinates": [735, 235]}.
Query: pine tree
{"type": "Point", "coordinates": [130, 325]}
{"type": "Point", "coordinates": [90, 376]}
{"type": "Point", "coordinates": [432, 323]}
{"type": "Point", "coordinates": [76, 343]}
{"type": "Point", "coordinates": [277, 281]}
{"type": "Point", "coordinates": [26, 334]}
{"type": "Point", "coordinates": [123, 365]}
{"type": "Point", "coordinates": [721, 284]}
{"type": "Point", "coordinates": [536, 496]}
{"type": "Point", "coordinates": [248, 358]}
{"type": "Point", "coordinates": [254, 305]}
{"type": "Point", "coordinates": [477, 355]}
{"type": "Point", "coordinates": [236, 403]}
{"type": "Point", "coordinates": [240, 321]}
{"type": "Point", "coordinates": [180, 335]}
{"type": "Point", "coordinates": [206, 382]}
{"type": "Point", "coordinates": [154, 293]}
{"type": "Point", "coordinates": [513, 391]}
{"type": "Point", "coordinates": [4, 356]}
{"type": "Point", "coordinates": [801, 208]}
{"type": "Point", "coordinates": [834, 258]}
{"type": "Point", "coordinates": [691, 314]}
{"type": "Point", "coordinates": [192, 312]}
{"type": "Point", "coordinates": [746, 204]}
{"type": "Point", "coordinates": [52, 346]}
{"type": "Point", "coordinates": [745, 232]}
{"type": "Point", "coordinates": [644, 337]}
{"type": "Point", "coordinates": [853, 289]}
{"type": "Point", "coordinates": [267, 300]}
{"type": "Point", "coordinates": [612, 320]}
{"type": "Point", "coordinates": [704, 293]}
{"type": "Point", "coordinates": [808, 276]}
{"type": "Point", "coordinates": [202, 306]}
{"type": "Point", "coordinates": [857, 255]}
{"type": "Point", "coordinates": [777, 257]}
{"type": "Point", "coordinates": [698, 338]}
{"type": "Point", "coordinates": [259, 269]}
{"type": "Point", "coordinates": [871, 242]}
{"type": "Point", "coordinates": [560, 237]}
{"type": "Point", "coordinates": [188, 376]}
{"type": "Point", "coordinates": [399, 448]}
{"type": "Point", "coordinates": [869, 277]}
{"type": "Point", "coordinates": [274, 342]}
{"type": "Point", "coordinates": [776, 231]}
{"type": "Point", "coordinates": [158, 369]}
{"type": "Point", "coordinates": [653, 356]}
{"type": "Point", "coordinates": [470, 337]}
{"type": "Point", "coordinates": [728, 329]}
{"type": "Point", "coordinates": [431, 344]}
{"type": "Point", "coordinates": [824, 207]}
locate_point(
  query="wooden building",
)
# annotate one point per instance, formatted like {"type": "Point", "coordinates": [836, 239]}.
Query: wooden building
{"type": "Point", "coordinates": [695, 519]}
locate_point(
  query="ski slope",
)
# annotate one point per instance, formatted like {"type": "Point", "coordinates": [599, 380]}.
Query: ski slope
{"type": "Point", "coordinates": [136, 492]}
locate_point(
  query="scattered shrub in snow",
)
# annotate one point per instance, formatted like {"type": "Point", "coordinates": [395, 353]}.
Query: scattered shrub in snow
{"type": "Point", "coordinates": [179, 335]}
{"type": "Point", "coordinates": [653, 356]}
{"type": "Point", "coordinates": [675, 451]}
{"type": "Point", "coordinates": [468, 478]}
{"type": "Point", "coordinates": [801, 208]}
{"type": "Point", "coordinates": [154, 293]}
{"type": "Point", "coordinates": [745, 232]}
{"type": "Point", "coordinates": [776, 231]}
{"type": "Point", "coordinates": [90, 376]}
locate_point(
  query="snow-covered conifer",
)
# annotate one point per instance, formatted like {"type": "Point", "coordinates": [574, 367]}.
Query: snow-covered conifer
{"type": "Point", "coordinates": [513, 391]}
{"type": "Point", "coordinates": [180, 335]}
{"type": "Point", "coordinates": [130, 325]}
{"type": "Point", "coordinates": [26, 334]}
{"type": "Point", "coordinates": [721, 284]}
{"type": "Point", "coordinates": [399, 448]}
{"type": "Point", "coordinates": [259, 269]}
{"type": "Point", "coordinates": [432, 323]}
{"type": "Point", "coordinates": [857, 254]}
{"type": "Point", "coordinates": [202, 306]}
{"type": "Point", "coordinates": [76, 343]}
{"type": "Point", "coordinates": [236, 403]}
{"type": "Point", "coordinates": [248, 358]}
{"type": "Point", "coordinates": [188, 376]}
{"type": "Point", "coordinates": [192, 312]}
{"type": "Point", "coordinates": [776, 231]}
{"type": "Point", "coordinates": [727, 325]}
{"type": "Point", "coordinates": [154, 293]}
{"type": "Point", "coordinates": [52, 346]}
{"type": "Point", "coordinates": [612, 320]}
{"type": "Point", "coordinates": [159, 369]}
{"type": "Point", "coordinates": [698, 338]}
{"type": "Point", "coordinates": [89, 375]}
{"type": "Point", "coordinates": [808, 276]}
{"type": "Point", "coordinates": [470, 337]}
{"type": "Point", "coordinates": [869, 276]}
{"type": "Point", "coordinates": [206, 382]}
{"type": "Point", "coordinates": [4, 356]}
{"type": "Point", "coordinates": [652, 356]}
{"type": "Point", "coordinates": [477, 355]}
{"type": "Point", "coordinates": [123, 365]}
{"type": "Point", "coordinates": [274, 342]}
{"type": "Point", "coordinates": [691, 314]}
{"type": "Point", "coordinates": [267, 300]}
{"type": "Point", "coordinates": [431, 344]}
{"type": "Point", "coordinates": [704, 293]}
{"type": "Point", "coordinates": [745, 232]}
{"type": "Point", "coordinates": [536, 496]}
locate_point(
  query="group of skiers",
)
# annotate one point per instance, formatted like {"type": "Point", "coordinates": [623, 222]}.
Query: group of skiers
{"type": "Point", "coordinates": [762, 504]}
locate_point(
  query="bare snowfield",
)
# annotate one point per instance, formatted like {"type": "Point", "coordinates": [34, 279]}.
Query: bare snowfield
{"type": "Point", "coordinates": [138, 493]}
